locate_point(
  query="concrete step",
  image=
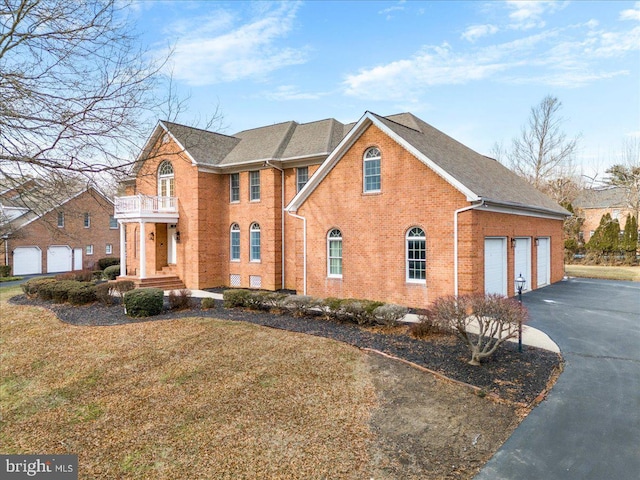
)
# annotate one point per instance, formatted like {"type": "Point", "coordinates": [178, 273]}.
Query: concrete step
{"type": "Point", "coordinates": [163, 282]}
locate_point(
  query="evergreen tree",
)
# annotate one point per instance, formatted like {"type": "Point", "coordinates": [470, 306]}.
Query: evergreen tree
{"type": "Point", "coordinates": [629, 241]}
{"type": "Point", "coordinates": [606, 238]}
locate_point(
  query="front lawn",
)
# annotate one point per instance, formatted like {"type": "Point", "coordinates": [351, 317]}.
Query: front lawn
{"type": "Point", "coordinates": [604, 272]}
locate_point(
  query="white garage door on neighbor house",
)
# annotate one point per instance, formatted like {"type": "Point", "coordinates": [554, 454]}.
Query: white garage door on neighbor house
{"type": "Point", "coordinates": [59, 259]}
{"type": "Point", "coordinates": [27, 261]}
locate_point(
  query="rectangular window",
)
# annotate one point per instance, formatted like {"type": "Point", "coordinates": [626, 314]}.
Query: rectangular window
{"type": "Point", "coordinates": [89, 250]}
{"type": "Point", "coordinates": [109, 249]}
{"type": "Point", "coordinates": [87, 220]}
{"type": "Point", "coordinates": [235, 245]}
{"type": "Point", "coordinates": [60, 219]}
{"type": "Point", "coordinates": [372, 175]}
{"type": "Point", "coordinates": [255, 245]}
{"type": "Point", "coordinates": [335, 257]}
{"type": "Point", "coordinates": [113, 223]}
{"type": "Point", "coordinates": [254, 186]}
{"type": "Point", "coordinates": [302, 176]}
{"type": "Point", "coordinates": [235, 187]}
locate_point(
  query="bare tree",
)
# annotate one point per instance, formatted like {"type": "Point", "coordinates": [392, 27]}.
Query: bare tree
{"type": "Point", "coordinates": [543, 152]}
{"type": "Point", "coordinates": [626, 174]}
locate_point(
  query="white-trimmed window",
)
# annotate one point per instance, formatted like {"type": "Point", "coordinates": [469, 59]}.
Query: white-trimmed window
{"type": "Point", "coordinates": [108, 249]}
{"type": "Point", "coordinates": [254, 185]}
{"type": "Point", "coordinates": [113, 222]}
{"type": "Point", "coordinates": [371, 169]}
{"type": "Point", "coordinates": [87, 220]}
{"type": "Point", "coordinates": [334, 253]}
{"type": "Point", "coordinates": [234, 180]}
{"type": "Point", "coordinates": [235, 242]}
{"type": "Point", "coordinates": [166, 180]}
{"type": "Point", "coordinates": [254, 240]}
{"type": "Point", "coordinates": [302, 177]}
{"type": "Point", "coordinates": [89, 250]}
{"type": "Point", "coordinates": [416, 255]}
{"type": "Point", "coordinates": [60, 219]}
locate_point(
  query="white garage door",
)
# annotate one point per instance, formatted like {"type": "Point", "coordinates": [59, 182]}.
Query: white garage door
{"type": "Point", "coordinates": [59, 259]}
{"type": "Point", "coordinates": [495, 265]}
{"type": "Point", "coordinates": [522, 261]}
{"type": "Point", "coordinates": [27, 261]}
{"type": "Point", "coordinates": [544, 260]}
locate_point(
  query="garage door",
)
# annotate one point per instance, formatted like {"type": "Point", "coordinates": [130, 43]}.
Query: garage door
{"type": "Point", "coordinates": [495, 265]}
{"type": "Point", "coordinates": [59, 259]}
{"type": "Point", "coordinates": [522, 261]}
{"type": "Point", "coordinates": [544, 260]}
{"type": "Point", "coordinates": [27, 261]}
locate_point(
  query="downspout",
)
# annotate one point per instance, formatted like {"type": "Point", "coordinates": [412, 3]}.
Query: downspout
{"type": "Point", "coordinates": [304, 250]}
{"type": "Point", "coordinates": [281, 216]}
{"type": "Point", "coordinates": [455, 242]}
{"type": "Point", "coordinates": [6, 250]}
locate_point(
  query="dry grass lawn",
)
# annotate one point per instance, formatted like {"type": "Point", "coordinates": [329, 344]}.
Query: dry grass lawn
{"type": "Point", "coordinates": [605, 272]}
{"type": "Point", "coordinates": [189, 398]}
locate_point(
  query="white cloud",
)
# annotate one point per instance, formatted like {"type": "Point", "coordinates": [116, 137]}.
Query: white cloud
{"type": "Point", "coordinates": [567, 57]}
{"type": "Point", "coordinates": [525, 15]}
{"type": "Point", "coordinates": [291, 92]}
{"type": "Point", "coordinates": [215, 50]}
{"type": "Point", "coordinates": [632, 13]}
{"type": "Point", "coordinates": [474, 32]}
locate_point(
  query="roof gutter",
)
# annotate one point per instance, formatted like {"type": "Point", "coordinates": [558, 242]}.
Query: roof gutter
{"type": "Point", "coordinates": [455, 241]}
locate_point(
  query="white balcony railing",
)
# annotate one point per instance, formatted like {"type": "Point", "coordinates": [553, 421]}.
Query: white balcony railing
{"type": "Point", "coordinates": [144, 206]}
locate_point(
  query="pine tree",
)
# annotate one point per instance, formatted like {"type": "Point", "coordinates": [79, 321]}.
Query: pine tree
{"type": "Point", "coordinates": [629, 241]}
{"type": "Point", "coordinates": [606, 238]}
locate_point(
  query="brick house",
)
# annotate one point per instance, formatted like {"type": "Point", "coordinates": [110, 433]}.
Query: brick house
{"type": "Point", "coordinates": [592, 204]}
{"type": "Point", "coordinates": [388, 208]}
{"type": "Point", "coordinates": [70, 233]}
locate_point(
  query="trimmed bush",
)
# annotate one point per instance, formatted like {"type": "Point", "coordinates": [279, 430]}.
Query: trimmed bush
{"type": "Point", "coordinates": [300, 305]}
{"type": "Point", "coordinates": [428, 325]}
{"type": "Point", "coordinates": [79, 276]}
{"type": "Point", "coordinates": [32, 287]}
{"type": "Point", "coordinates": [123, 286]}
{"type": "Point", "coordinates": [389, 314]}
{"type": "Point", "coordinates": [105, 262]}
{"type": "Point", "coordinates": [235, 298]}
{"type": "Point", "coordinates": [143, 302]}
{"type": "Point", "coordinates": [82, 294]}
{"type": "Point", "coordinates": [60, 290]}
{"type": "Point", "coordinates": [5, 271]}
{"type": "Point", "coordinates": [103, 293]}
{"type": "Point", "coordinates": [110, 273]}
{"type": "Point", "coordinates": [207, 303]}
{"type": "Point", "coordinates": [180, 299]}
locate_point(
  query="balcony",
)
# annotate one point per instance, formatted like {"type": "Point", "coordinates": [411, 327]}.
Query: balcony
{"type": "Point", "coordinates": [147, 208]}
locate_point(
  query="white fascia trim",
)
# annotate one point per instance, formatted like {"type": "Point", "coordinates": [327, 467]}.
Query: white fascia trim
{"type": "Point", "coordinates": [524, 211]}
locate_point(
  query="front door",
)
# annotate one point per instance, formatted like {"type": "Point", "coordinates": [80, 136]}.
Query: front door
{"type": "Point", "coordinates": [171, 245]}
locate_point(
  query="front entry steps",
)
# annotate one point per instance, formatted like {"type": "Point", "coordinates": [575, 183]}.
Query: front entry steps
{"type": "Point", "coordinates": [163, 282]}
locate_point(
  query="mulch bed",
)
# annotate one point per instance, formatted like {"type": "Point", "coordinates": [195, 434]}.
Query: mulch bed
{"type": "Point", "coordinates": [513, 376]}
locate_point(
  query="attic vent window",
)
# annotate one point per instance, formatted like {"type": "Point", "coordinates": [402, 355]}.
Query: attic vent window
{"type": "Point", "coordinates": [371, 170]}
{"type": "Point", "coordinates": [165, 138]}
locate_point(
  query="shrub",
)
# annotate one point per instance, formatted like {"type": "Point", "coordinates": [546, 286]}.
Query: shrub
{"type": "Point", "coordinates": [60, 290]}
{"type": "Point", "coordinates": [428, 325]}
{"type": "Point", "coordinates": [483, 322]}
{"type": "Point", "coordinates": [143, 302]}
{"type": "Point", "coordinates": [122, 286]}
{"type": "Point", "coordinates": [31, 287]}
{"type": "Point", "coordinates": [208, 303]}
{"type": "Point", "coordinates": [110, 273]}
{"type": "Point", "coordinates": [389, 314]}
{"type": "Point", "coordinates": [180, 299]}
{"type": "Point", "coordinates": [105, 262]}
{"type": "Point", "coordinates": [351, 310]}
{"type": "Point", "coordinates": [103, 293]}
{"type": "Point", "coordinates": [235, 298]}
{"type": "Point", "coordinates": [82, 294]}
{"type": "Point", "coordinates": [79, 276]}
{"type": "Point", "coordinates": [5, 271]}
{"type": "Point", "coordinates": [300, 305]}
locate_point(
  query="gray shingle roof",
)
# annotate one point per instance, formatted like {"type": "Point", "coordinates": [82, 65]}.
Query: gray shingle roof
{"type": "Point", "coordinates": [601, 198]}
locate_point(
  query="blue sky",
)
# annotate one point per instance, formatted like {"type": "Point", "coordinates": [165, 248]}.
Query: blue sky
{"type": "Point", "coordinates": [472, 69]}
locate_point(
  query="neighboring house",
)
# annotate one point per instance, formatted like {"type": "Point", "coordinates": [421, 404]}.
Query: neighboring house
{"type": "Point", "coordinates": [388, 208]}
{"type": "Point", "coordinates": [55, 232]}
{"type": "Point", "coordinates": [591, 204]}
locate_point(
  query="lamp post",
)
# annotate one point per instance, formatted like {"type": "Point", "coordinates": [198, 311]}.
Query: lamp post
{"type": "Point", "coordinates": [520, 281]}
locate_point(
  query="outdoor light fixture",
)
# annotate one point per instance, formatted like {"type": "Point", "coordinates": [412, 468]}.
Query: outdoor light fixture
{"type": "Point", "coordinates": [152, 236]}
{"type": "Point", "coordinates": [537, 241]}
{"type": "Point", "coordinates": [520, 281]}
{"type": "Point", "coordinates": [178, 237]}
{"type": "Point", "coordinates": [513, 243]}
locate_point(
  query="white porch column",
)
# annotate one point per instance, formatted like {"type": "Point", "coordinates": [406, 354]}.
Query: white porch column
{"type": "Point", "coordinates": [143, 252]}
{"type": "Point", "coordinates": [123, 250]}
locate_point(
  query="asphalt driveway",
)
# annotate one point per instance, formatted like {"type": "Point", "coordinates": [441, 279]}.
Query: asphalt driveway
{"type": "Point", "coordinates": [589, 426]}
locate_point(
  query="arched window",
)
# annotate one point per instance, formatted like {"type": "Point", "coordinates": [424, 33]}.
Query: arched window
{"type": "Point", "coordinates": [254, 240]}
{"type": "Point", "coordinates": [166, 186]}
{"type": "Point", "coordinates": [235, 242]}
{"type": "Point", "coordinates": [371, 169]}
{"type": "Point", "coordinates": [334, 253]}
{"type": "Point", "coordinates": [416, 255]}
